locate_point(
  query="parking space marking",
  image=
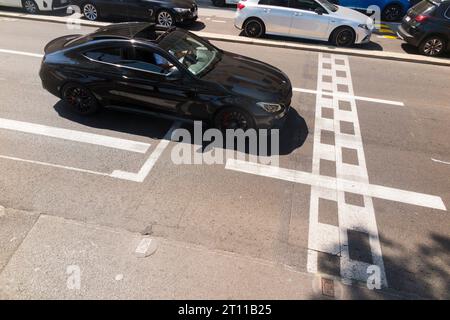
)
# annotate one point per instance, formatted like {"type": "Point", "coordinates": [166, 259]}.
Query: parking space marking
{"type": "Point", "coordinates": [73, 135]}
{"type": "Point", "coordinates": [148, 165]}
{"type": "Point", "coordinates": [22, 53]}
{"type": "Point", "coordinates": [440, 161]}
{"type": "Point", "coordinates": [347, 96]}
{"type": "Point", "coordinates": [47, 164]}
{"type": "Point", "coordinates": [326, 182]}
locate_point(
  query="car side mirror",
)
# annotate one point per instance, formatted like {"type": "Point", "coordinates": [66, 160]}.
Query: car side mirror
{"type": "Point", "coordinates": [174, 75]}
{"type": "Point", "coordinates": [319, 11]}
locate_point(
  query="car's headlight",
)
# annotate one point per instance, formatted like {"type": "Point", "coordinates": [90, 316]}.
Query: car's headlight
{"type": "Point", "coordinates": [270, 107]}
{"type": "Point", "coordinates": [181, 10]}
{"type": "Point", "coordinates": [364, 26]}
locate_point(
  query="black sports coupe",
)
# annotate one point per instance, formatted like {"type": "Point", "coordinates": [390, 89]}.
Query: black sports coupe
{"type": "Point", "coordinates": [138, 67]}
{"type": "Point", "coordinates": [164, 12]}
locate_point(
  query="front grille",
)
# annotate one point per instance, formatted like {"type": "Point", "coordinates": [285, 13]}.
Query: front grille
{"type": "Point", "coordinates": [194, 8]}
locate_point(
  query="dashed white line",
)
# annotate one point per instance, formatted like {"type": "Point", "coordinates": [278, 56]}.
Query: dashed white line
{"type": "Point", "coordinates": [73, 135]}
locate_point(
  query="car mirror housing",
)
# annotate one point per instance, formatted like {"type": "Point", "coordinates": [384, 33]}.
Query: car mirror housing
{"type": "Point", "coordinates": [174, 75]}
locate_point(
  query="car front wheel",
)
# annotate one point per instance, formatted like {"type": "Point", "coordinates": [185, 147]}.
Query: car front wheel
{"type": "Point", "coordinates": [30, 6]}
{"type": "Point", "coordinates": [233, 118]}
{"type": "Point", "coordinates": [80, 99]}
{"type": "Point", "coordinates": [165, 18]}
{"type": "Point", "coordinates": [343, 37]}
{"type": "Point", "coordinates": [90, 11]}
{"type": "Point", "coordinates": [432, 46]}
{"type": "Point", "coordinates": [254, 28]}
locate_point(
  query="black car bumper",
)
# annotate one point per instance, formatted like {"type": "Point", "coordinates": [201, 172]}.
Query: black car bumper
{"type": "Point", "coordinates": [187, 16]}
{"type": "Point", "coordinates": [414, 38]}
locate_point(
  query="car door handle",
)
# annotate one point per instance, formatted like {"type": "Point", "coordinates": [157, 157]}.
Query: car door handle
{"type": "Point", "coordinates": [297, 13]}
{"type": "Point", "coordinates": [266, 10]}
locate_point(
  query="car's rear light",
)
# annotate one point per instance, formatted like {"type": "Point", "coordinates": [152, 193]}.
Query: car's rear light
{"type": "Point", "coordinates": [421, 18]}
{"type": "Point", "coordinates": [240, 6]}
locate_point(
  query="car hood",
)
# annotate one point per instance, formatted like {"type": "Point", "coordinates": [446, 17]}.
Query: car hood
{"type": "Point", "coordinates": [249, 77]}
{"type": "Point", "coordinates": [350, 14]}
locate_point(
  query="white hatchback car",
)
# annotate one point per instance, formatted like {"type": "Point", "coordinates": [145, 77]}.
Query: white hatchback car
{"type": "Point", "coordinates": [310, 19]}
{"type": "Point", "coordinates": [34, 6]}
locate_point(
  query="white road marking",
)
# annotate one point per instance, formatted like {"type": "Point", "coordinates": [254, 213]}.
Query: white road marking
{"type": "Point", "coordinates": [148, 165]}
{"type": "Point", "coordinates": [347, 96]}
{"type": "Point", "coordinates": [325, 182]}
{"type": "Point", "coordinates": [54, 165]}
{"type": "Point", "coordinates": [440, 161]}
{"type": "Point", "coordinates": [218, 21]}
{"type": "Point", "coordinates": [73, 135]}
{"type": "Point", "coordinates": [22, 53]}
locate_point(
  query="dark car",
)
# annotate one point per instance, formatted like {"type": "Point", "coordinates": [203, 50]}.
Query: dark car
{"type": "Point", "coordinates": [135, 66]}
{"type": "Point", "coordinates": [427, 26]}
{"type": "Point", "coordinates": [164, 12]}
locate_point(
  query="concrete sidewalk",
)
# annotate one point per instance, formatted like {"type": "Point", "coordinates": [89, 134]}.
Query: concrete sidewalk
{"type": "Point", "coordinates": [386, 55]}
{"type": "Point", "coordinates": [44, 264]}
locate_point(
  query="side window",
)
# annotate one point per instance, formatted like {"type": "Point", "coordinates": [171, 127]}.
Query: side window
{"type": "Point", "coordinates": [277, 3]}
{"type": "Point", "coordinates": [146, 60]}
{"type": "Point", "coordinates": [309, 5]}
{"type": "Point", "coordinates": [109, 55]}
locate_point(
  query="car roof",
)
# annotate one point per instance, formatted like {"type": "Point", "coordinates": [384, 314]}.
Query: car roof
{"type": "Point", "coordinates": [122, 31]}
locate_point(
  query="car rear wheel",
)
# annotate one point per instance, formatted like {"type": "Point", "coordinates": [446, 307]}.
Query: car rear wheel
{"type": "Point", "coordinates": [165, 18]}
{"type": "Point", "coordinates": [392, 12]}
{"type": "Point", "coordinates": [80, 99]}
{"type": "Point", "coordinates": [343, 37]}
{"type": "Point", "coordinates": [90, 11]}
{"type": "Point", "coordinates": [254, 28]}
{"type": "Point", "coordinates": [30, 6]}
{"type": "Point", "coordinates": [432, 46]}
{"type": "Point", "coordinates": [233, 118]}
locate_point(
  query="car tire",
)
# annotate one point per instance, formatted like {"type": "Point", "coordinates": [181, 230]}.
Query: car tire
{"type": "Point", "coordinates": [392, 12]}
{"type": "Point", "coordinates": [90, 11]}
{"type": "Point", "coordinates": [233, 118]}
{"type": "Point", "coordinates": [254, 28]}
{"type": "Point", "coordinates": [165, 18]}
{"type": "Point", "coordinates": [433, 46]}
{"type": "Point", "coordinates": [219, 3]}
{"type": "Point", "coordinates": [80, 99]}
{"type": "Point", "coordinates": [30, 6]}
{"type": "Point", "coordinates": [343, 37]}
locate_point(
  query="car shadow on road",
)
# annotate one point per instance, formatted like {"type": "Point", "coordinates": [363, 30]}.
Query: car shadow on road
{"type": "Point", "coordinates": [291, 136]}
{"type": "Point", "coordinates": [373, 46]}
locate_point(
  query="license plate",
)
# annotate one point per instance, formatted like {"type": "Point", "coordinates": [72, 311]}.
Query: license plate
{"type": "Point", "coordinates": [407, 18]}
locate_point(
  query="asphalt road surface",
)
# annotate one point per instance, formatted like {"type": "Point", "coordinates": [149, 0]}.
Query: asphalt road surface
{"type": "Point", "coordinates": [363, 181]}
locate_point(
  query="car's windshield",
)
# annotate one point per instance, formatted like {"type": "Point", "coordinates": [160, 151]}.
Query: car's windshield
{"type": "Point", "coordinates": [328, 5]}
{"type": "Point", "coordinates": [197, 55]}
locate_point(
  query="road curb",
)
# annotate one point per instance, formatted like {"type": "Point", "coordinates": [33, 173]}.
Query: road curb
{"type": "Point", "coordinates": [384, 55]}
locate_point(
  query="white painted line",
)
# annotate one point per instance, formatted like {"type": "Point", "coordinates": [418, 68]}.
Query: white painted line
{"type": "Point", "coordinates": [54, 165]}
{"type": "Point", "coordinates": [376, 191]}
{"type": "Point", "coordinates": [219, 21]}
{"type": "Point", "coordinates": [440, 161]}
{"type": "Point", "coordinates": [22, 53]}
{"type": "Point", "coordinates": [72, 135]}
{"type": "Point", "coordinates": [148, 165]}
{"type": "Point", "coordinates": [347, 96]}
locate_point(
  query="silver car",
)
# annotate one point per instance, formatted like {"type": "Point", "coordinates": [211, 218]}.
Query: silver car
{"type": "Point", "coordinates": [310, 19]}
